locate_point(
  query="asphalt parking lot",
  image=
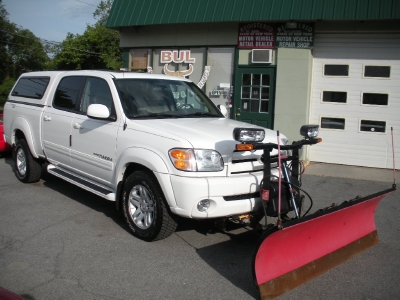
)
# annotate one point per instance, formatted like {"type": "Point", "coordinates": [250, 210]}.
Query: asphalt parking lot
{"type": "Point", "coordinates": [58, 241]}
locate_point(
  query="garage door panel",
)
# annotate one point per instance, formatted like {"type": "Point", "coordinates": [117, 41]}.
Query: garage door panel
{"type": "Point", "coordinates": [351, 111]}
{"type": "Point", "coordinates": [357, 82]}
{"type": "Point", "coordinates": [356, 160]}
{"type": "Point", "coordinates": [357, 46]}
{"type": "Point", "coordinates": [351, 145]}
{"type": "Point", "coordinates": [378, 156]}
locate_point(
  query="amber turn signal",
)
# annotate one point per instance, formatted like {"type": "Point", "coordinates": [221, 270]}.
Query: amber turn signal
{"type": "Point", "coordinates": [180, 154]}
{"type": "Point", "coordinates": [244, 147]}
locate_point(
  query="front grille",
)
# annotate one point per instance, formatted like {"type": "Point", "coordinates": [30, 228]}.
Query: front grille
{"type": "Point", "coordinates": [242, 197]}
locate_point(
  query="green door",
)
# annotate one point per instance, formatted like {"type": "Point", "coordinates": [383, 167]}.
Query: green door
{"type": "Point", "coordinates": [254, 96]}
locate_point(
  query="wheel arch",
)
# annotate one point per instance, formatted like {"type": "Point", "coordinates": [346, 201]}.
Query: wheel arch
{"type": "Point", "coordinates": [22, 130]}
{"type": "Point", "coordinates": [141, 159]}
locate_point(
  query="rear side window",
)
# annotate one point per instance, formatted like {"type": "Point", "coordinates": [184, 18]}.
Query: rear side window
{"type": "Point", "coordinates": [31, 87]}
{"type": "Point", "coordinates": [68, 92]}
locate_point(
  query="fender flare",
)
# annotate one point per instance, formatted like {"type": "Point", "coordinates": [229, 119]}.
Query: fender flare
{"type": "Point", "coordinates": [20, 123]}
{"type": "Point", "coordinates": [150, 160]}
{"type": "Point", "coordinates": [142, 156]}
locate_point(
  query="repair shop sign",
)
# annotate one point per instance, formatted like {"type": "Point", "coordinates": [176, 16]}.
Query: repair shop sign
{"type": "Point", "coordinates": [256, 35]}
{"type": "Point", "coordinates": [259, 35]}
{"type": "Point", "coordinates": [295, 35]}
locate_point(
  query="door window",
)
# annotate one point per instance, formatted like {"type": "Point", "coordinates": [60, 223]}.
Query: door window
{"type": "Point", "coordinates": [67, 92]}
{"type": "Point", "coordinates": [96, 91]}
{"type": "Point", "coordinates": [255, 93]}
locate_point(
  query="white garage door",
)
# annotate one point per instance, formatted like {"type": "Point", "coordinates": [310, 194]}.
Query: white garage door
{"type": "Point", "coordinates": [356, 99]}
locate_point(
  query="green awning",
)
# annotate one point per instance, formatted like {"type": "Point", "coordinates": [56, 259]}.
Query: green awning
{"type": "Point", "coordinates": [148, 12]}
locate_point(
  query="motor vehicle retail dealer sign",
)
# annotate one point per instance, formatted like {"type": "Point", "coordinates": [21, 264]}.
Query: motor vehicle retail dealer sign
{"type": "Point", "coordinates": [258, 35]}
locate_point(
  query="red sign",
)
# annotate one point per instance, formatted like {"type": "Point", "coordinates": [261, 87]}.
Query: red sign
{"type": "Point", "coordinates": [256, 35]}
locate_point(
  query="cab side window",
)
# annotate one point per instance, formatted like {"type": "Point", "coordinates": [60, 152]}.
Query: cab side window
{"type": "Point", "coordinates": [96, 91]}
{"type": "Point", "coordinates": [67, 92]}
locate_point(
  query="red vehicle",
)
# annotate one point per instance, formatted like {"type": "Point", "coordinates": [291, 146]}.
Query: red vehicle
{"type": "Point", "coordinates": [4, 147]}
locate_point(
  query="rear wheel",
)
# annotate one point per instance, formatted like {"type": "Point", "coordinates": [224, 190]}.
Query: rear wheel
{"type": "Point", "coordinates": [145, 208]}
{"type": "Point", "coordinates": [27, 168]}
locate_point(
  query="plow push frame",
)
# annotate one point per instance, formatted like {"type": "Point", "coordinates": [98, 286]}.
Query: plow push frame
{"type": "Point", "coordinates": [295, 250]}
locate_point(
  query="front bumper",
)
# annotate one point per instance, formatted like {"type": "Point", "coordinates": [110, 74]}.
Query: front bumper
{"type": "Point", "coordinates": [233, 195]}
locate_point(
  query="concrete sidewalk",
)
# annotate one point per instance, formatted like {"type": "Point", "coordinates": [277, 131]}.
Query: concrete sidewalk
{"type": "Point", "coordinates": [354, 172]}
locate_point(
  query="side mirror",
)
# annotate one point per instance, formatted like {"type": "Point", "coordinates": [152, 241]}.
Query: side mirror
{"type": "Point", "coordinates": [223, 109]}
{"type": "Point", "coordinates": [98, 111]}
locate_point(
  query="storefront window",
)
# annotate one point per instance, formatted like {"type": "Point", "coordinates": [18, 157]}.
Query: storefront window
{"type": "Point", "coordinates": [219, 82]}
{"type": "Point", "coordinates": [139, 60]}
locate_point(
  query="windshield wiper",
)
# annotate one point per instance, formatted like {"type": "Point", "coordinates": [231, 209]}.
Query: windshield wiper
{"type": "Point", "coordinates": [202, 114]}
{"type": "Point", "coordinates": [155, 116]}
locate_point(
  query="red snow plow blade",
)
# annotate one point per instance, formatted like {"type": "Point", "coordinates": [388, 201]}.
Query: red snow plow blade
{"type": "Point", "coordinates": [306, 247]}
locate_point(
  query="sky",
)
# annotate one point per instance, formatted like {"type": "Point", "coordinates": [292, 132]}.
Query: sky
{"type": "Point", "coordinates": [51, 20]}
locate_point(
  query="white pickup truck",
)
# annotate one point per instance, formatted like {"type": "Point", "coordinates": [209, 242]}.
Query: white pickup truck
{"type": "Point", "coordinates": [154, 144]}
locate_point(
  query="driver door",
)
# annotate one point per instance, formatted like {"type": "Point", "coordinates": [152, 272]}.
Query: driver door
{"type": "Point", "coordinates": [94, 141]}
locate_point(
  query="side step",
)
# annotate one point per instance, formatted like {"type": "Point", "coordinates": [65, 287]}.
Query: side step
{"type": "Point", "coordinates": [84, 183]}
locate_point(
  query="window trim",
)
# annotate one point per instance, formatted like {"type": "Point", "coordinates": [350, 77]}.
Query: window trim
{"type": "Point", "coordinates": [332, 129]}
{"type": "Point", "coordinates": [374, 105]}
{"type": "Point", "coordinates": [333, 76]}
{"type": "Point", "coordinates": [335, 103]}
{"type": "Point", "coordinates": [372, 132]}
{"type": "Point", "coordinates": [376, 65]}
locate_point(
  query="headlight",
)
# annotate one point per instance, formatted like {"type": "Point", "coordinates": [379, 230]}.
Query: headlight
{"type": "Point", "coordinates": [309, 131]}
{"type": "Point", "coordinates": [248, 134]}
{"type": "Point", "coordinates": [200, 160]}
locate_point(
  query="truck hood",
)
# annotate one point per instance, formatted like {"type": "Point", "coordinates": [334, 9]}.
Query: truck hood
{"type": "Point", "coordinates": [207, 133]}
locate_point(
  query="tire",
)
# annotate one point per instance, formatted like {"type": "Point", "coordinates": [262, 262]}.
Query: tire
{"type": "Point", "coordinates": [145, 208]}
{"type": "Point", "coordinates": [27, 168]}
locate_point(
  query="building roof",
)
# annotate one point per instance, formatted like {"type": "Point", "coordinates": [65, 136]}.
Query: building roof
{"type": "Point", "coordinates": [149, 12]}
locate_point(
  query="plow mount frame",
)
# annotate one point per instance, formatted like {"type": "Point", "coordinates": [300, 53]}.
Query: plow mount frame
{"type": "Point", "coordinates": [297, 250]}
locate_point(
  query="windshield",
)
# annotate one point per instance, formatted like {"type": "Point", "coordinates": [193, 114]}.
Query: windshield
{"type": "Point", "coordinates": [155, 98]}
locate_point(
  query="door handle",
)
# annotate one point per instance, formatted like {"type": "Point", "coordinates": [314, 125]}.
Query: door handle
{"type": "Point", "coordinates": [238, 115]}
{"type": "Point", "coordinates": [47, 118]}
{"type": "Point", "coordinates": [78, 126]}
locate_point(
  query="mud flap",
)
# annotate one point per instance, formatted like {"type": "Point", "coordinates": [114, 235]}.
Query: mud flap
{"type": "Point", "coordinates": [307, 247]}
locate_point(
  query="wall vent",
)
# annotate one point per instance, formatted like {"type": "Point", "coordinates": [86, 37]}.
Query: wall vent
{"type": "Point", "coordinates": [261, 56]}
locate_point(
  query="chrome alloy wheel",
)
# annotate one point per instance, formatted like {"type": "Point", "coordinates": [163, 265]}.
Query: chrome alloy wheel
{"type": "Point", "coordinates": [21, 162]}
{"type": "Point", "coordinates": [141, 206]}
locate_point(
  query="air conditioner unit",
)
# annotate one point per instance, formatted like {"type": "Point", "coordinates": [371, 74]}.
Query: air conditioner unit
{"type": "Point", "coordinates": [261, 56]}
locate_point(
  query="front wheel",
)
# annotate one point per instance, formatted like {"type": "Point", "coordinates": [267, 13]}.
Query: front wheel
{"type": "Point", "coordinates": [145, 208]}
{"type": "Point", "coordinates": [27, 168]}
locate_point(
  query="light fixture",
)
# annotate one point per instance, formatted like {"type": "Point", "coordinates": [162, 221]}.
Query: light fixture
{"type": "Point", "coordinates": [203, 205]}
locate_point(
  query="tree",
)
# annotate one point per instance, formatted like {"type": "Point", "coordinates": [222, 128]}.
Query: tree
{"type": "Point", "coordinates": [4, 59]}
{"type": "Point", "coordinates": [102, 11]}
{"type": "Point", "coordinates": [96, 48]}
{"type": "Point", "coordinates": [25, 51]}
{"type": "Point", "coordinates": [20, 51]}
{"type": "Point", "coordinates": [5, 89]}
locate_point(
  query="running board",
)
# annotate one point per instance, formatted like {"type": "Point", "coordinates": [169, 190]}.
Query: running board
{"type": "Point", "coordinates": [89, 185]}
